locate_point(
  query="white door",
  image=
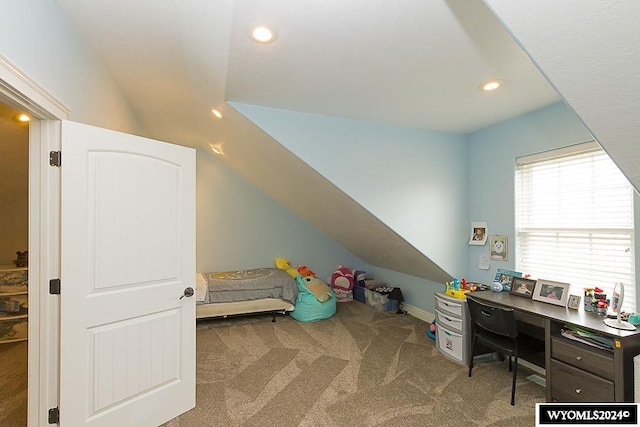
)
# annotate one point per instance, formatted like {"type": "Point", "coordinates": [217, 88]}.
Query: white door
{"type": "Point", "coordinates": [127, 339]}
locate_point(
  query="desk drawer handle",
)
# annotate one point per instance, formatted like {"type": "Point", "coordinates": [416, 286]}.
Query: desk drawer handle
{"type": "Point", "coordinates": [578, 390]}
{"type": "Point", "coordinates": [578, 357]}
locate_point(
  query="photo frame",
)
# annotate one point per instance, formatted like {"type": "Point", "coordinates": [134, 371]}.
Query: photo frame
{"type": "Point", "coordinates": [498, 248]}
{"type": "Point", "coordinates": [478, 233]}
{"type": "Point", "coordinates": [574, 302]}
{"type": "Point", "coordinates": [551, 292]}
{"type": "Point", "coordinates": [504, 277]}
{"type": "Point", "coordinates": [522, 287]}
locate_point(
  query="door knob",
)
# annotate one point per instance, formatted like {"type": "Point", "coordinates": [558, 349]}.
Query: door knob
{"type": "Point", "coordinates": [188, 292]}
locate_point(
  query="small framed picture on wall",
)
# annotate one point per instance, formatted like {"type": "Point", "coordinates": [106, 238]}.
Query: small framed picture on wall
{"type": "Point", "coordinates": [498, 248]}
{"type": "Point", "coordinates": [478, 233]}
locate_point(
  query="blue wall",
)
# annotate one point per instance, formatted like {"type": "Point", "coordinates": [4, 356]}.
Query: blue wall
{"type": "Point", "coordinates": [492, 154]}
{"type": "Point", "coordinates": [411, 169]}
{"type": "Point", "coordinates": [413, 180]}
{"type": "Point", "coordinates": [239, 227]}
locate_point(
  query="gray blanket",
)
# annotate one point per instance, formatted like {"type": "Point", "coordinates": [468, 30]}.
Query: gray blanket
{"type": "Point", "coordinates": [244, 285]}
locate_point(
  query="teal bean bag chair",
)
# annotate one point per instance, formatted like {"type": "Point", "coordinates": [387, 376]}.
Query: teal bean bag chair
{"type": "Point", "coordinates": [313, 304]}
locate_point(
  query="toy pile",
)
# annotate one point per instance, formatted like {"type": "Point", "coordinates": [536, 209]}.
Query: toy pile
{"type": "Point", "coordinates": [596, 300]}
{"type": "Point", "coordinates": [460, 288]}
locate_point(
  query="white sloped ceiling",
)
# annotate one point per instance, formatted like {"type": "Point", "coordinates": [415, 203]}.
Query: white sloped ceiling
{"type": "Point", "coordinates": [588, 50]}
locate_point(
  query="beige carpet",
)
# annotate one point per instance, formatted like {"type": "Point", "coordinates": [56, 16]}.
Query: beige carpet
{"type": "Point", "coordinates": [13, 384]}
{"type": "Point", "coordinates": [359, 368]}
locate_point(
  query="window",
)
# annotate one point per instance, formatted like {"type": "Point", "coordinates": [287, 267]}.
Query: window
{"type": "Point", "coordinates": [574, 220]}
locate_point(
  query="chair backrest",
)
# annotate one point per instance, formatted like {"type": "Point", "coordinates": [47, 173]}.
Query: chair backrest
{"type": "Point", "coordinates": [499, 320]}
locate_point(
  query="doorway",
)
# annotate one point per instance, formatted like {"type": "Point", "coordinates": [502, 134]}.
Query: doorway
{"type": "Point", "coordinates": [14, 214]}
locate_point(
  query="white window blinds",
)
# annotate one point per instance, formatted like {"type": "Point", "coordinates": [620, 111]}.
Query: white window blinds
{"type": "Point", "coordinates": [574, 220]}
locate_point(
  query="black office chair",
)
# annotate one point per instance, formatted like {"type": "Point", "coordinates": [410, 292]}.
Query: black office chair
{"type": "Point", "coordinates": [494, 327]}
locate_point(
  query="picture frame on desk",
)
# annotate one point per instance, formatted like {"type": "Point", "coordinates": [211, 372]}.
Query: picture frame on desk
{"type": "Point", "coordinates": [574, 302]}
{"type": "Point", "coordinates": [551, 292]}
{"type": "Point", "coordinates": [522, 287]}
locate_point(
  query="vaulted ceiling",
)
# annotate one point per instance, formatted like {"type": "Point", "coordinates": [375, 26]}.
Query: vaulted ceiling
{"type": "Point", "coordinates": [412, 63]}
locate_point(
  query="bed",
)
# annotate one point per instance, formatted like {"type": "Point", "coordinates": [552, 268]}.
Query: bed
{"type": "Point", "coordinates": [252, 291]}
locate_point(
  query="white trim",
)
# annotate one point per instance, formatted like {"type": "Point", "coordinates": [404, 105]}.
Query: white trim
{"type": "Point", "coordinates": [44, 211]}
{"type": "Point", "coordinates": [27, 93]}
{"type": "Point", "coordinates": [21, 92]}
{"type": "Point", "coordinates": [419, 313]}
{"type": "Point", "coordinates": [557, 153]}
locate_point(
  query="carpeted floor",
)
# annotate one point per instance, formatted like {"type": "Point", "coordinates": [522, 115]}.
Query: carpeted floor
{"type": "Point", "coordinates": [13, 384]}
{"type": "Point", "coordinates": [359, 368]}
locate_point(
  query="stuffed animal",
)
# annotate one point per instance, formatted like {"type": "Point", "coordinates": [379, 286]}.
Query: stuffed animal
{"type": "Point", "coordinates": [284, 264]}
{"type": "Point", "coordinates": [317, 287]}
{"type": "Point", "coordinates": [22, 259]}
{"type": "Point", "coordinates": [305, 271]}
{"type": "Point", "coordinates": [342, 284]}
{"type": "Point", "coordinates": [308, 307]}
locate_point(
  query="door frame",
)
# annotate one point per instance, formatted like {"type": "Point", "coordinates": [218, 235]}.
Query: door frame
{"type": "Point", "coordinates": [21, 92]}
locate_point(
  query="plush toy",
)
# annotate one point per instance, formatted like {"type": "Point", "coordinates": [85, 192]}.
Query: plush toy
{"type": "Point", "coordinates": [284, 264]}
{"type": "Point", "coordinates": [342, 284]}
{"type": "Point", "coordinates": [305, 271]}
{"type": "Point", "coordinates": [22, 259]}
{"type": "Point", "coordinates": [308, 307]}
{"type": "Point", "coordinates": [317, 287]}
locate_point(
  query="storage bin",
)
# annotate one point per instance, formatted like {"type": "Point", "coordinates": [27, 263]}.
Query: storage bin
{"type": "Point", "coordinates": [375, 299]}
{"type": "Point", "coordinates": [450, 343]}
{"type": "Point", "coordinates": [391, 305]}
{"type": "Point", "coordinates": [372, 283]}
{"type": "Point", "coordinates": [449, 322]}
{"type": "Point", "coordinates": [448, 306]}
{"type": "Point", "coordinates": [358, 293]}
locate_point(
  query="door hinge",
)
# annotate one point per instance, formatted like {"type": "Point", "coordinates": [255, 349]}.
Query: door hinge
{"type": "Point", "coordinates": [54, 286]}
{"type": "Point", "coordinates": [55, 158]}
{"type": "Point", "coordinates": [54, 416]}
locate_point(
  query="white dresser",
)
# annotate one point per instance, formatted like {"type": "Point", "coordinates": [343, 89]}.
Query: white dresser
{"type": "Point", "coordinates": [453, 327]}
{"type": "Point", "coordinates": [14, 297]}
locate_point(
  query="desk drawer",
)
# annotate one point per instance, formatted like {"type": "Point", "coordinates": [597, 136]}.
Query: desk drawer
{"type": "Point", "coordinates": [451, 343]}
{"type": "Point", "coordinates": [450, 307]}
{"type": "Point", "coordinates": [569, 384]}
{"type": "Point", "coordinates": [581, 358]}
{"type": "Point", "coordinates": [529, 319]}
{"type": "Point", "coordinates": [448, 321]}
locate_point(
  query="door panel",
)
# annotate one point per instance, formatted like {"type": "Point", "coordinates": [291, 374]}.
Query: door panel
{"type": "Point", "coordinates": [128, 253]}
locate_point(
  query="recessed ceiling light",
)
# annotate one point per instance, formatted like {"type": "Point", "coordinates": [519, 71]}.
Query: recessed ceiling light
{"type": "Point", "coordinates": [217, 148]}
{"type": "Point", "coordinates": [263, 34]}
{"type": "Point", "coordinates": [216, 113]}
{"type": "Point", "coordinates": [22, 118]}
{"type": "Point", "coordinates": [490, 85]}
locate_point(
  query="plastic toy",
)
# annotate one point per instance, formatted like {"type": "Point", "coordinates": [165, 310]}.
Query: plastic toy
{"type": "Point", "coordinates": [453, 289]}
{"type": "Point", "coordinates": [431, 332]}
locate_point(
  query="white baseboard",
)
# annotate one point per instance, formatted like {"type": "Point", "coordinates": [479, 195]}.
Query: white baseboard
{"type": "Point", "coordinates": [419, 313]}
{"type": "Point", "coordinates": [535, 368]}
